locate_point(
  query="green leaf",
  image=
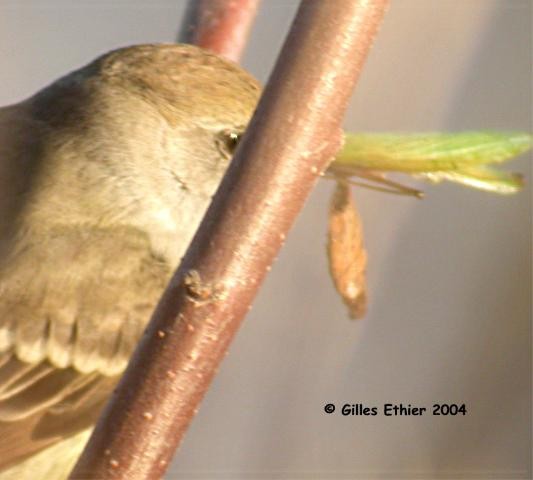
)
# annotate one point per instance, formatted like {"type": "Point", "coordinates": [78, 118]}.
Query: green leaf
{"type": "Point", "coordinates": [456, 157]}
{"type": "Point", "coordinates": [482, 178]}
{"type": "Point", "coordinates": [413, 153]}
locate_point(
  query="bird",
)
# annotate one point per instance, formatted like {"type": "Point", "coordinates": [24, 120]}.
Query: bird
{"type": "Point", "coordinates": [105, 176]}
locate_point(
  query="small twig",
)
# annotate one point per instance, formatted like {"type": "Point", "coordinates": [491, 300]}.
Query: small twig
{"type": "Point", "coordinates": [292, 137]}
{"type": "Point", "coordinates": [221, 26]}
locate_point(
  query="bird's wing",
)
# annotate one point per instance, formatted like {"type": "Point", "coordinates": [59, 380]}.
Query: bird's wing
{"type": "Point", "coordinates": [59, 404]}
{"type": "Point", "coordinates": [73, 304]}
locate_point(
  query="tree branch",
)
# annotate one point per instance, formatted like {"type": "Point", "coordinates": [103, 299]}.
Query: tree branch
{"type": "Point", "coordinates": [291, 139]}
{"type": "Point", "coordinates": [221, 26]}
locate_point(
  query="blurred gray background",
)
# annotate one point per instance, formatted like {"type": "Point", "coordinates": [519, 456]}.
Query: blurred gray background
{"type": "Point", "coordinates": [450, 276]}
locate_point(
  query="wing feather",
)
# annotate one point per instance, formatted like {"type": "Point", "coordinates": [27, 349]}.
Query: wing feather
{"type": "Point", "coordinates": [73, 304]}
{"type": "Point", "coordinates": [80, 299]}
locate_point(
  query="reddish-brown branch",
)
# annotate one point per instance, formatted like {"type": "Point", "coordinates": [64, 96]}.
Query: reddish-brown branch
{"type": "Point", "coordinates": [292, 137]}
{"type": "Point", "coordinates": [221, 26]}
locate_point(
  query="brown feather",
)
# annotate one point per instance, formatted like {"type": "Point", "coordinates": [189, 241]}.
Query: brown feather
{"type": "Point", "coordinates": [47, 412]}
{"type": "Point", "coordinates": [59, 369]}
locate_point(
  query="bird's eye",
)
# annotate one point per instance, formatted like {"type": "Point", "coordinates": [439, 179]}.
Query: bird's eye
{"type": "Point", "coordinates": [233, 140]}
{"type": "Point", "coordinates": [227, 142]}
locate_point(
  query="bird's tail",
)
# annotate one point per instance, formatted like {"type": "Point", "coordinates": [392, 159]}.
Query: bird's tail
{"type": "Point", "coordinates": [52, 463]}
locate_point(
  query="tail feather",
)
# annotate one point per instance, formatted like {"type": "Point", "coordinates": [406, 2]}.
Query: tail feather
{"type": "Point", "coordinates": [52, 463]}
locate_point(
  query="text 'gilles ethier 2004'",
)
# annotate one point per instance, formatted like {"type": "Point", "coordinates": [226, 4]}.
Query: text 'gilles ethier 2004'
{"type": "Point", "coordinates": [398, 410]}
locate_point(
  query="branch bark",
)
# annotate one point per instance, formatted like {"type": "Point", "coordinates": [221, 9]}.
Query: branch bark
{"type": "Point", "coordinates": [292, 137]}
{"type": "Point", "coordinates": [221, 26]}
